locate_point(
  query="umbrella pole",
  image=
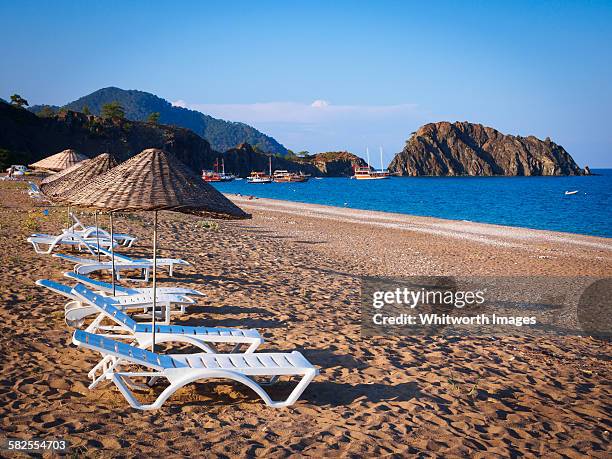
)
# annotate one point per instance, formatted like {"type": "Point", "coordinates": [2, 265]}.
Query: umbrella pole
{"type": "Point", "coordinates": [154, 278]}
{"type": "Point", "coordinates": [97, 236]}
{"type": "Point", "coordinates": [112, 238]}
{"type": "Point", "coordinates": [68, 226]}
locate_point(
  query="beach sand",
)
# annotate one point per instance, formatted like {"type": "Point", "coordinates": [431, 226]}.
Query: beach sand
{"type": "Point", "coordinates": [294, 272]}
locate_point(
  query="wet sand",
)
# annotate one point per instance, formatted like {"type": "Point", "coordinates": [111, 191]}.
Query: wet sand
{"type": "Point", "coordinates": [294, 272]}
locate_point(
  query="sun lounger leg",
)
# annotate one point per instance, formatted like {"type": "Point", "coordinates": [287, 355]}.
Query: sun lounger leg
{"type": "Point", "coordinates": [117, 378]}
{"type": "Point", "coordinates": [295, 394]}
{"type": "Point", "coordinates": [106, 366]}
{"type": "Point", "coordinates": [177, 383]}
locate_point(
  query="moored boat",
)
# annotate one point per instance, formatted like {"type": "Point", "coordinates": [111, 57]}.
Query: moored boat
{"type": "Point", "coordinates": [283, 176]}
{"type": "Point", "coordinates": [211, 176]}
{"type": "Point", "coordinates": [259, 177]}
{"type": "Point", "coordinates": [216, 176]}
{"type": "Point", "coordinates": [225, 177]}
{"type": "Point", "coordinates": [368, 173]}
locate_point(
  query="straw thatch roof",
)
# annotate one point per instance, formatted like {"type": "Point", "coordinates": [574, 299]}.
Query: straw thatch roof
{"type": "Point", "coordinates": [59, 161]}
{"type": "Point", "coordinates": [57, 175]}
{"type": "Point", "coordinates": [81, 174]}
{"type": "Point", "coordinates": [155, 180]}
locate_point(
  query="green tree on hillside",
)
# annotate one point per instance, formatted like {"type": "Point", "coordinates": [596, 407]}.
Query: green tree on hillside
{"type": "Point", "coordinates": [19, 101]}
{"type": "Point", "coordinates": [113, 110]}
{"type": "Point", "coordinates": [46, 112]}
{"type": "Point", "coordinates": [153, 118]}
{"type": "Point", "coordinates": [86, 110]}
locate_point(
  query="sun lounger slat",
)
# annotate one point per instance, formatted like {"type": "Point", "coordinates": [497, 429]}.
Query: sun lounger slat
{"type": "Point", "coordinates": [237, 361]}
{"type": "Point", "coordinates": [269, 361]}
{"type": "Point", "coordinates": [253, 361]}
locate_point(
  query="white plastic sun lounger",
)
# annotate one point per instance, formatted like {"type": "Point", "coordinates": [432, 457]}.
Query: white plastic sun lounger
{"type": "Point", "coordinates": [202, 337]}
{"type": "Point", "coordinates": [45, 243]}
{"type": "Point", "coordinates": [183, 369]}
{"type": "Point", "coordinates": [90, 265]}
{"type": "Point", "coordinates": [33, 190]}
{"type": "Point", "coordinates": [90, 232]}
{"type": "Point", "coordinates": [80, 236]}
{"type": "Point", "coordinates": [77, 310]}
{"type": "Point", "coordinates": [124, 258]}
{"type": "Point", "coordinates": [121, 290]}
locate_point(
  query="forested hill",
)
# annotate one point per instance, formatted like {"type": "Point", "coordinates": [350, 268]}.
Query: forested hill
{"type": "Point", "coordinates": [222, 135]}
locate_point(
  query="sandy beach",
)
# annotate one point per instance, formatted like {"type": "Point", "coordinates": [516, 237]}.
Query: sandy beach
{"type": "Point", "coordinates": [294, 272]}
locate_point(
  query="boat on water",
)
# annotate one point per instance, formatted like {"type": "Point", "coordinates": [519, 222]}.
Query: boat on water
{"type": "Point", "coordinates": [283, 176]}
{"type": "Point", "coordinates": [368, 173]}
{"type": "Point", "coordinates": [567, 193]}
{"type": "Point", "coordinates": [216, 176]}
{"type": "Point", "coordinates": [225, 177]}
{"type": "Point", "coordinates": [259, 177]}
{"type": "Point", "coordinates": [211, 176]}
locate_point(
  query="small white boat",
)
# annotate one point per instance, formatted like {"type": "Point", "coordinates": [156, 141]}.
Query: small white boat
{"type": "Point", "coordinates": [571, 192]}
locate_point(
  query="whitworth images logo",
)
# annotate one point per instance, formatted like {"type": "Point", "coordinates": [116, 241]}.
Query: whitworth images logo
{"type": "Point", "coordinates": [485, 306]}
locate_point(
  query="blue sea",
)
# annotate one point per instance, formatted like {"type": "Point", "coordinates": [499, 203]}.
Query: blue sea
{"type": "Point", "coordinates": [530, 202]}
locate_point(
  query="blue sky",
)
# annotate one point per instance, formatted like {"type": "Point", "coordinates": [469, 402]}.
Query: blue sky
{"type": "Point", "coordinates": [332, 75]}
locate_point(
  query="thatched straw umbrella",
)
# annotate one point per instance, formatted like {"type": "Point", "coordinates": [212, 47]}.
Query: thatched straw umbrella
{"type": "Point", "coordinates": [59, 186]}
{"type": "Point", "coordinates": [59, 161]}
{"type": "Point", "coordinates": [58, 175]}
{"type": "Point", "coordinates": [64, 184]}
{"type": "Point", "coordinates": [155, 180]}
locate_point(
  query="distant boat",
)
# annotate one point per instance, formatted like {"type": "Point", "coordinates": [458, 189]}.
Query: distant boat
{"type": "Point", "coordinates": [571, 192]}
{"type": "Point", "coordinates": [282, 176]}
{"type": "Point", "coordinates": [225, 177]}
{"type": "Point", "coordinates": [211, 176]}
{"type": "Point", "coordinates": [260, 177]}
{"type": "Point", "coordinates": [215, 176]}
{"type": "Point", "coordinates": [367, 173]}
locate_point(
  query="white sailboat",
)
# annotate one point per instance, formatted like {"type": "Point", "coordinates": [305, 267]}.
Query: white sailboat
{"type": "Point", "coordinates": [366, 173]}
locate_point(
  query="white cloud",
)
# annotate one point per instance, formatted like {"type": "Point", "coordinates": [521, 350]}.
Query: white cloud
{"type": "Point", "coordinates": [320, 103]}
{"type": "Point", "coordinates": [179, 103]}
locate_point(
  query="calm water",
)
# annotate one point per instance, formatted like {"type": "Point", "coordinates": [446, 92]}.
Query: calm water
{"type": "Point", "coordinates": [531, 202]}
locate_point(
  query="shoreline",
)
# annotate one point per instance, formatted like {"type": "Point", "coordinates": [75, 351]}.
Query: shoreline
{"type": "Point", "coordinates": [484, 233]}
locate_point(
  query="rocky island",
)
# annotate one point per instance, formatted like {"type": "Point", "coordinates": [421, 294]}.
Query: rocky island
{"type": "Point", "coordinates": [462, 148]}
